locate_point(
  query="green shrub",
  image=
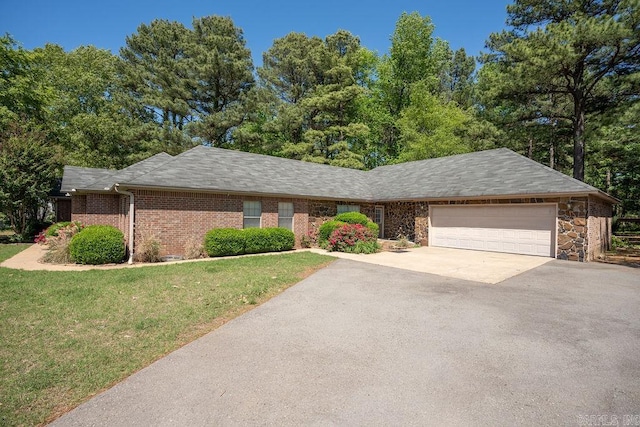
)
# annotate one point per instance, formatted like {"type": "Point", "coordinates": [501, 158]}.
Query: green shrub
{"type": "Point", "coordinates": [352, 218]}
{"type": "Point", "coordinates": [97, 244]}
{"type": "Point", "coordinates": [282, 239]}
{"type": "Point", "coordinates": [224, 242]}
{"type": "Point", "coordinates": [53, 229]}
{"type": "Point", "coordinates": [231, 241]}
{"type": "Point", "coordinates": [353, 238]}
{"type": "Point", "coordinates": [369, 247]}
{"type": "Point", "coordinates": [327, 229]}
{"type": "Point", "coordinates": [256, 240]}
{"type": "Point", "coordinates": [375, 229]}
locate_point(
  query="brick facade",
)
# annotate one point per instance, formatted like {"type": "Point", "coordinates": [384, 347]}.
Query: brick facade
{"type": "Point", "coordinates": [176, 218]}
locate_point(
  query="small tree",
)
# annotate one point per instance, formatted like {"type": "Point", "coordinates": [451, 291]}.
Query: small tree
{"type": "Point", "coordinates": [28, 170]}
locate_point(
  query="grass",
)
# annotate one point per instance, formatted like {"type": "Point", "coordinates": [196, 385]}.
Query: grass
{"type": "Point", "coordinates": [68, 335]}
{"type": "Point", "coordinates": [9, 250]}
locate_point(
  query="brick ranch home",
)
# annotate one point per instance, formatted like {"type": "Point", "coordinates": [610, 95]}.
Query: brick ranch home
{"type": "Point", "coordinates": [493, 200]}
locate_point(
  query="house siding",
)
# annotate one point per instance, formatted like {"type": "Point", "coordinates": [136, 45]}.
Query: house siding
{"type": "Point", "coordinates": [177, 219]}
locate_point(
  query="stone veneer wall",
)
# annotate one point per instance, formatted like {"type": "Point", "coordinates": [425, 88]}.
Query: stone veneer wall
{"type": "Point", "coordinates": [321, 211]}
{"type": "Point", "coordinates": [583, 232]}
{"type": "Point", "coordinates": [572, 229]}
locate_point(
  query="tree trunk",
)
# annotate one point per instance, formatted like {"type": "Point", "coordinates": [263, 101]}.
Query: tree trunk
{"type": "Point", "coordinates": [552, 158]}
{"type": "Point", "coordinates": [578, 140]}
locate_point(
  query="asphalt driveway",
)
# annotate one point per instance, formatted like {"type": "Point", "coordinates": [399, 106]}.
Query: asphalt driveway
{"type": "Point", "coordinates": [362, 344]}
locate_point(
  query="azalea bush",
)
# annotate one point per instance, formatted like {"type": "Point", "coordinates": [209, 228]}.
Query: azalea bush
{"type": "Point", "coordinates": [354, 238]}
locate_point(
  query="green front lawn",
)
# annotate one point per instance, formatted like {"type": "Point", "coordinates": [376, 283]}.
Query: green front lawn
{"type": "Point", "coordinates": [68, 335]}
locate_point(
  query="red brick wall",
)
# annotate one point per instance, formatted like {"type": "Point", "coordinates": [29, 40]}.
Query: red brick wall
{"type": "Point", "coordinates": [176, 218]}
{"type": "Point", "coordinates": [102, 209]}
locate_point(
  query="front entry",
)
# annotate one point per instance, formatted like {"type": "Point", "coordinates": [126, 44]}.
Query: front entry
{"type": "Point", "coordinates": [379, 219]}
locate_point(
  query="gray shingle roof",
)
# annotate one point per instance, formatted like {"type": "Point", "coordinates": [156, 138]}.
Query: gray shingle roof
{"type": "Point", "coordinates": [491, 173]}
{"type": "Point", "coordinates": [130, 173]}
{"type": "Point", "coordinates": [78, 177]}
{"type": "Point", "coordinates": [483, 173]}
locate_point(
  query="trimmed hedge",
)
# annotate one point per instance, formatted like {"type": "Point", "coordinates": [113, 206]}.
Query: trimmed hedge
{"type": "Point", "coordinates": [352, 218]}
{"type": "Point", "coordinates": [97, 244]}
{"type": "Point", "coordinates": [224, 242]}
{"type": "Point", "coordinates": [232, 241]}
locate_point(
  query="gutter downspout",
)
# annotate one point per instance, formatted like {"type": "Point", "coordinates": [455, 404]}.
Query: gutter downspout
{"type": "Point", "coordinates": [131, 219]}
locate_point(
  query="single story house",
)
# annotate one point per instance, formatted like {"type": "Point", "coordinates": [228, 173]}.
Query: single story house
{"type": "Point", "coordinates": [494, 200]}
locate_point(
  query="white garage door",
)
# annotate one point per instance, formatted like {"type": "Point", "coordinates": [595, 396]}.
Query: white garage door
{"type": "Point", "coordinates": [519, 229]}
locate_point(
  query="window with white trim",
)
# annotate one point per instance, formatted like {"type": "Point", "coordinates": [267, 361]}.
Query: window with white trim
{"type": "Point", "coordinates": [348, 208]}
{"type": "Point", "coordinates": [285, 215]}
{"type": "Point", "coordinates": [252, 214]}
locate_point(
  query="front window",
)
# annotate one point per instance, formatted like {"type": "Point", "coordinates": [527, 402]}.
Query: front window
{"type": "Point", "coordinates": [285, 215]}
{"type": "Point", "coordinates": [252, 214]}
{"type": "Point", "coordinates": [348, 208]}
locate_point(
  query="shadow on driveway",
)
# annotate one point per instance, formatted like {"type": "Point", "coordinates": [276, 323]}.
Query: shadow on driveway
{"type": "Point", "coordinates": [363, 344]}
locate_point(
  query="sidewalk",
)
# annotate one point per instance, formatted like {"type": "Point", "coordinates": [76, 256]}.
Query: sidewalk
{"type": "Point", "coordinates": [29, 260]}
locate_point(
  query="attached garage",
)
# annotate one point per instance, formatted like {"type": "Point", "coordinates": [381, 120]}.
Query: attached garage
{"type": "Point", "coordinates": [521, 229]}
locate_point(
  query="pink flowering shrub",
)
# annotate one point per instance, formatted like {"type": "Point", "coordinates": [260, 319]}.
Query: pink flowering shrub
{"type": "Point", "coordinates": [355, 238]}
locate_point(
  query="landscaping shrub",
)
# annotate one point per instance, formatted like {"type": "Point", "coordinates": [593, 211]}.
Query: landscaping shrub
{"type": "Point", "coordinates": [353, 238]}
{"type": "Point", "coordinates": [230, 241]}
{"type": "Point", "coordinates": [148, 250]}
{"type": "Point", "coordinates": [352, 218]}
{"type": "Point", "coordinates": [326, 229]}
{"type": "Point", "coordinates": [58, 244]}
{"type": "Point", "coordinates": [193, 249]}
{"type": "Point", "coordinates": [97, 244]}
{"type": "Point", "coordinates": [224, 242]}
{"type": "Point", "coordinates": [257, 240]}
{"type": "Point", "coordinates": [281, 239]}
{"type": "Point", "coordinates": [374, 228]}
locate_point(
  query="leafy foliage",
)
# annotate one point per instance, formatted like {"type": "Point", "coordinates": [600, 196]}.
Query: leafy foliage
{"type": "Point", "coordinates": [232, 241]}
{"type": "Point", "coordinates": [326, 229]}
{"type": "Point", "coordinates": [352, 218]}
{"type": "Point", "coordinates": [353, 238]}
{"type": "Point", "coordinates": [224, 242]}
{"type": "Point", "coordinates": [569, 59]}
{"type": "Point", "coordinates": [97, 244]}
{"type": "Point", "coordinates": [29, 166]}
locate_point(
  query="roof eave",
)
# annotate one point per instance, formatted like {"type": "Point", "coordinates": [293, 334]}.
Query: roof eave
{"type": "Point", "coordinates": [598, 193]}
{"type": "Point", "coordinates": [240, 193]}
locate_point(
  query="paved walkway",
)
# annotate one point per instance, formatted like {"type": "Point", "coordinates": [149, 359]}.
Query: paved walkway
{"type": "Point", "coordinates": [29, 260]}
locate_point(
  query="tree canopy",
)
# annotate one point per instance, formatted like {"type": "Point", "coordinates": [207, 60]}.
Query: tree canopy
{"type": "Point", "coordinates": [560, 85]}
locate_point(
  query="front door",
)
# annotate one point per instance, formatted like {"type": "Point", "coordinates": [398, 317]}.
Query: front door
{"type": "Point", "coordinates": [379, 219]}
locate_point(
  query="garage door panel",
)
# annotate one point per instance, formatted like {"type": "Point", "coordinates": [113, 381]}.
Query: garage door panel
{"type": "Point", "coordinates": [525, 229]}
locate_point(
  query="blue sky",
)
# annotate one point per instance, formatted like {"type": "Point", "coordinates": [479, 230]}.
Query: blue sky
{"type": "Point", "coordinates": [106, 23]}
